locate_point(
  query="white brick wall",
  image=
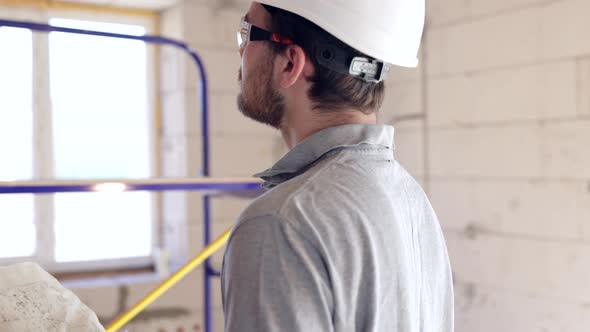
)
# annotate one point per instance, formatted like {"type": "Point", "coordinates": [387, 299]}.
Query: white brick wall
{"type": "Point", "coordinates": [483, 7]}
{"type": "Point", "coordinates": [222, 69]}
{"type": "Point", "coordinates": [212, 24]}
{"type": "Point", "coordinates": [401, 99]}
{"type": "Point", "coordinates": [409, 146]}
{"type": "Point", "coordinates": [566, 153]}
{"type": "Point", "coordinates": [487, 309]}
{"type": "Point", "coordinates": [404, 74]}
{"type": "Point", "coordinates": [491, 42]}
{"type": "Point", "coordinates": [583, 71]}
{"type": "Point", "coordinates": [241, 156]}
{"type": "Point", "coordinates": [538, 92]}
{"type": "Point", "coordinates": [543, 209]}
{"type": "Point", "coordinates": [490, 151]}
{"type": "Point", "coordinates": [172, 69]}
{"type": "Point", "coordinates": [444, 11]}
{"type": "Point", "coordinates": [457, 205]}
{"type": "Point", "coordinates": [549, 268]}
{"type": "Point", "coordinates": [563, 23]}
{"type": "Point", "coordinates": [226, 119]}
{"type": "Point", "coordinates": [507, 106]}
{"type": "Point", "coordinates": [541, 31]}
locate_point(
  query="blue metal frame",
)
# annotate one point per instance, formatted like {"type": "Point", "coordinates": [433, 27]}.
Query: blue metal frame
{"type": "Point", "coordinates": [207, 188]}
{"type": "Point", "coordinates": [209, 271]}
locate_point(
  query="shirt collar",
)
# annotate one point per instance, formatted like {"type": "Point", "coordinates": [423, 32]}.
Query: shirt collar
{"type": "Point", "coordinates": [324, 142]}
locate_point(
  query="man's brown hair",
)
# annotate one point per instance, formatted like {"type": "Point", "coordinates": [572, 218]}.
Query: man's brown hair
{"type": "Point", "coordinates": [330, 90]}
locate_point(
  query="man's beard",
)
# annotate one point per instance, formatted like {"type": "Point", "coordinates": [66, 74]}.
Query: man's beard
{"type": "Point", "coordinates": [259, 100]}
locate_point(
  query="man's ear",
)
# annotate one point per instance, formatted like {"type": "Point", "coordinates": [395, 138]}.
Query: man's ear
{"type": "Point", "coordinates": [291, 64]}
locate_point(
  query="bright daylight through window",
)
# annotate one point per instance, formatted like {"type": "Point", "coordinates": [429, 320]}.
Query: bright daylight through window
{"type": "Point", "coordinates": [17, 230]}
{"type": "Point", "coordinates": [99, 128]}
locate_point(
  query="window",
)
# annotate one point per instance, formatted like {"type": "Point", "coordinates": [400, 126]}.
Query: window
{"type": "Point", "coordinates": [97, 125]}
{"type": "Point", "coordinates": [100, 130]}
{"type": "Point", "coordinates": [17, 230]}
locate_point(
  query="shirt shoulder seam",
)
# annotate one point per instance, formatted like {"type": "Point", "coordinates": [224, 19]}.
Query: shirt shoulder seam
{"type": "Point", "coordinates": [304, 185]}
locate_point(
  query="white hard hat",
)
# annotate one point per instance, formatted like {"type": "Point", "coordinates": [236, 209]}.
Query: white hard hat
{"type": "Point", "coordinates": [387, 30]}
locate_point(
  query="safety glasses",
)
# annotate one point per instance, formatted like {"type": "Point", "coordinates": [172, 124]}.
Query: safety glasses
{"type": "Point", "coordinates": [249, 32]}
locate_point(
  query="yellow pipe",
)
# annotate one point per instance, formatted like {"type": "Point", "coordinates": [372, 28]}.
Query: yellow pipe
{"type": "Point", "coordinates": [175, 278]}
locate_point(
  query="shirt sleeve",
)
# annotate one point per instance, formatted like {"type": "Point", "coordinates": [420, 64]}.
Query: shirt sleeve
{"type": "Point", "coordinates": [273, 279]}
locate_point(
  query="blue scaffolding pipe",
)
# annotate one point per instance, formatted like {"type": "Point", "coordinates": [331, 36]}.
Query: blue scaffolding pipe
{"type": "Point", "coordinates": [209, 272]}
{"type": "Point", "coordinates": [238, 188]}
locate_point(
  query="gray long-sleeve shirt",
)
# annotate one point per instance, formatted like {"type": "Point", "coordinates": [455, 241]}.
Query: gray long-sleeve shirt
{"type": "Point", "coordinates": [344, 240]}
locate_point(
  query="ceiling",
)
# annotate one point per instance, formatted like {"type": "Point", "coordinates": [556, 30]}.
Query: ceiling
{"type": "Point", "coordinates": [143, 4]}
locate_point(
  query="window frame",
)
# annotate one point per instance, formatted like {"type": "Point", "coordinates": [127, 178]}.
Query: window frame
{"type": "Point", "coordinates": [42, 136]}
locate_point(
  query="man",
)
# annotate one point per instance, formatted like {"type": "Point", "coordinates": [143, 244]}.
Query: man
{"type": "Point", "coordinates": [343, 239]}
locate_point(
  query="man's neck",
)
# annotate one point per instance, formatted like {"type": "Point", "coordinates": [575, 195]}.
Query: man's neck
{"type": "Point", "coordinates": [300, 124]}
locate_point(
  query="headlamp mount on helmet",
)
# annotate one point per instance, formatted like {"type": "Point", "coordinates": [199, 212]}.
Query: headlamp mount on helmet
{"type": "Point", "coordinates": [340, 60]}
